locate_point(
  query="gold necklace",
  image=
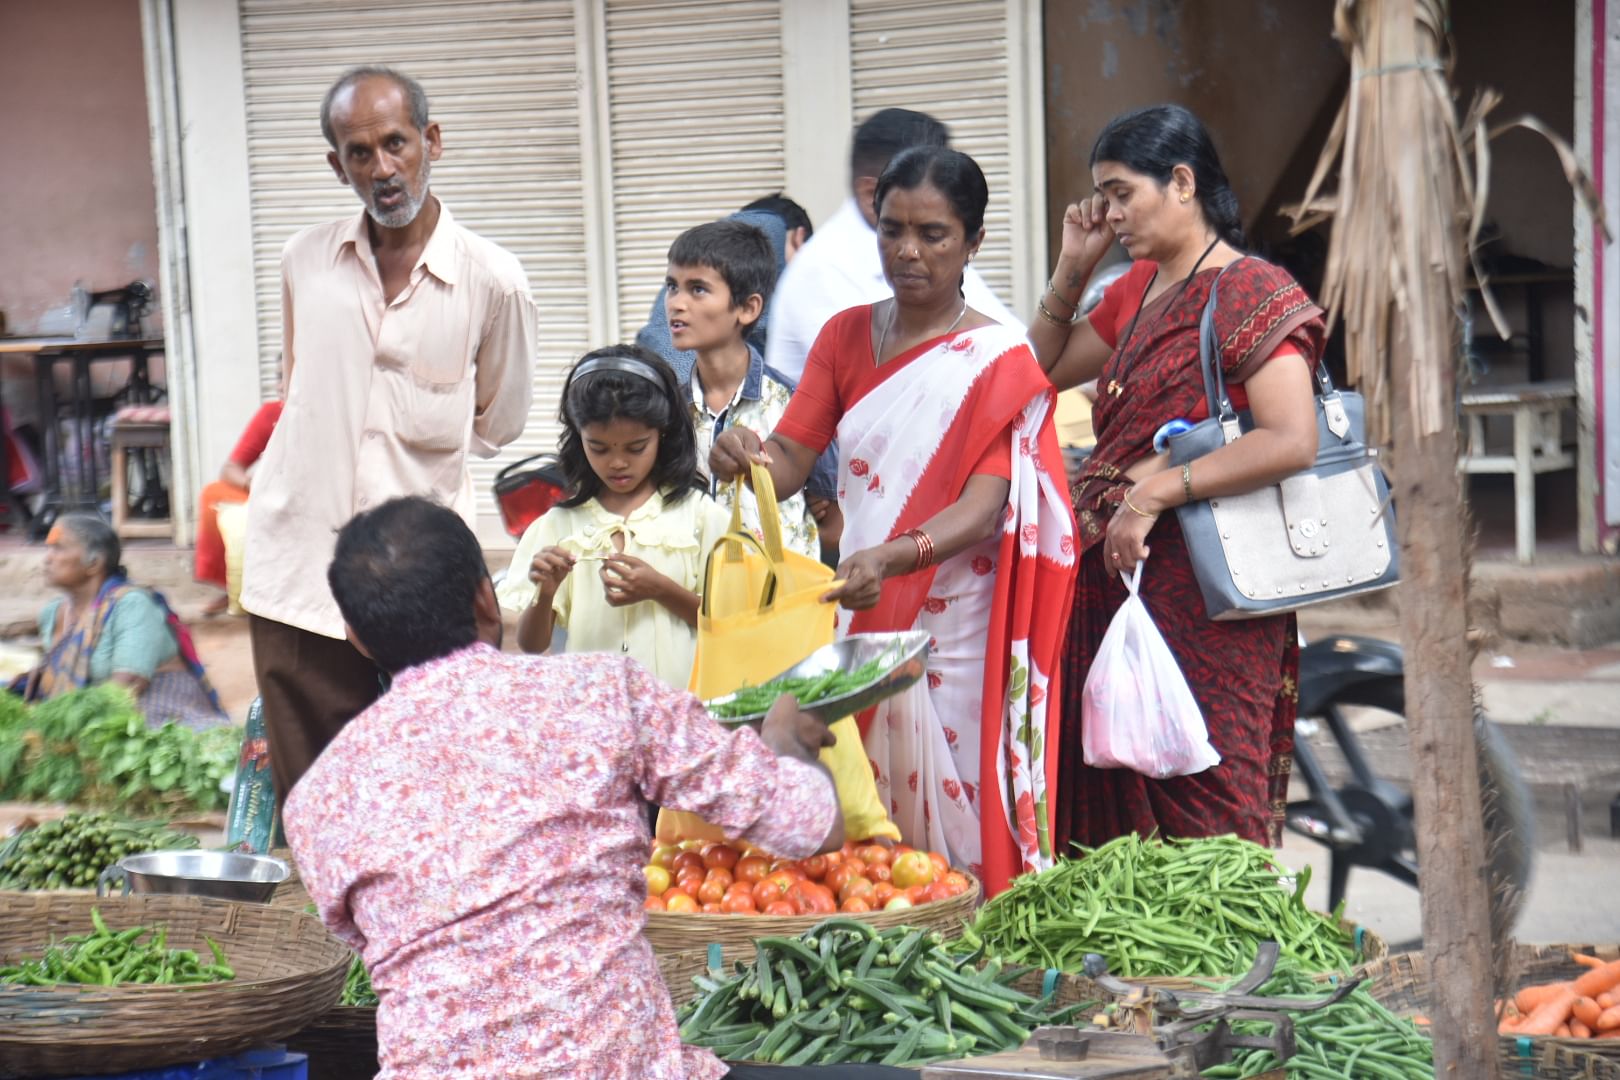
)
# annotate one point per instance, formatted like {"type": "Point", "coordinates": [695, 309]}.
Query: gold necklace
{"type": "Point", "coordinates": [883, 335]}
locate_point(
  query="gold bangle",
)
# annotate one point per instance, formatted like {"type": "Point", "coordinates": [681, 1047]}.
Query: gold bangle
{"type": "Point", "coordinates": [1132, 507]}
{"type": "Point", "coordinates": [1051, 287]}
{"type": "Point", "coordinates": [1041, 310]}
{"type": "Point", "coordinates": [1186, 481]}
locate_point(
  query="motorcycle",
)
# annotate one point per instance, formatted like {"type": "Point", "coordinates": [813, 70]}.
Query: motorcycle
{"type": "Point", "coordinates": [1369, 821]}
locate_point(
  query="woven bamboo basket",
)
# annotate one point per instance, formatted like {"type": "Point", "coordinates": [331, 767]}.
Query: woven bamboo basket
{"type": "Point", "coordinates": [341, 1043]}
{"type": "Point", "coordinates": [289, 970]}
{"type": "Point", "coordinates": [1401, 983]}
{"type": "Point", "coordinates": [735, 934]}
{"type": "Point", "coordinates": [291, 893]}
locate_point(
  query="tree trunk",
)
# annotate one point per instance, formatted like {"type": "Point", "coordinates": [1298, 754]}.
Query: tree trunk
{"type": "Point", "coordinates": [1432, 523]}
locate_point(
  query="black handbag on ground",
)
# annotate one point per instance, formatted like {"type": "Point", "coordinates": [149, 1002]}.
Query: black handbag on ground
{"type": "Point", "coordinates": [1324, 533]}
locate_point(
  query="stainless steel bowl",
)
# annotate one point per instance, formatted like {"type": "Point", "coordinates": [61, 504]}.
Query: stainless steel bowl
{"type": "Point", "coordinates": [904, 656]}
{"type": "Point", "coordinates": [225, 875]}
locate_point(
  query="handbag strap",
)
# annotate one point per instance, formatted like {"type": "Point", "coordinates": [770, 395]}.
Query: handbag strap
{"type": "Point", "coordinates": [730, 548]}
{"type": "Point", "coordinates": [1209, 363]}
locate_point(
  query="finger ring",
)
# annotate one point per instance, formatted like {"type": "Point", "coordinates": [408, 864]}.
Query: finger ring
{"type": "Point", "coordinates": [1116, 556]}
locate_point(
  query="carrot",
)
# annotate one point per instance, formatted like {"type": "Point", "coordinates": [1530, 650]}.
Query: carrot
{"type": "Point", "coordinates": [1531, 996]}
{"type": "Point", "coordinates": [1550, 1015]}
{"type": "Point", "coordinates": [1509, 1025]}
{"type": "Point", "coordinates": [1586, 1011]}
{"type": "Point", "coordinates": [1599, 979]}
{"type": "Point", "coordinates": [1613, 1033]}
{"type": "Point", "coordinates": [1562, 1032]}
{"type": "Point", "coordinates": [1608, 999]}
{"type": "Point", "coordinates": [1578, 1030]}
{"type": "Point", "coordinates": [1608, 1019]}
{"type": "Point", "coordinates": [1586, 960]}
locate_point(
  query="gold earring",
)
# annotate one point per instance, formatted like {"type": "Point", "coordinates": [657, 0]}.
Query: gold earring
{"type": "Point", "coordinates": [1186, 197]}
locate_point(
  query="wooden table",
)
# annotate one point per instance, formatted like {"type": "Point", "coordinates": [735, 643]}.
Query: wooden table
{"type": "Point", "coordinates": [47, 353]}
{"type": "Point", "coordinates": [1537, 410]}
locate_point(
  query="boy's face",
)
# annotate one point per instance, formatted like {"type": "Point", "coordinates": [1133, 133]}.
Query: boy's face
{"type": "Point", "coordinates": [701, 314]}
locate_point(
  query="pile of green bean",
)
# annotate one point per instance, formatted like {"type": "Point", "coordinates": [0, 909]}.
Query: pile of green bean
{"type": "Point", "coordinates": [106, 958]}
{"type": "Point", "coordinates": [1150, 908]}
{"type": "Point", "coordinates": [1355, 1037]}
{"type": "Point", "coordinates": [357, 989]}
{"type": "Point", "coordinates": [845, 991]}
{"type": "Point", "coordinates": [808, 689]}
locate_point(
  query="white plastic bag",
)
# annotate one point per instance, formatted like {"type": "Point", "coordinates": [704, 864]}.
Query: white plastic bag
{"type": "Point", "coordinates": [1137, 712]}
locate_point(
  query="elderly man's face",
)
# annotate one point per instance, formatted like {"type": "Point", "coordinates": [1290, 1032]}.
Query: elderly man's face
{"type": "Point", "coordinates": [381, 153]}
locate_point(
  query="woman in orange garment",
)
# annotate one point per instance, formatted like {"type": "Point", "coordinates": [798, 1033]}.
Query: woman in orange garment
{"type": "Point", "coordinates": [233, 486]}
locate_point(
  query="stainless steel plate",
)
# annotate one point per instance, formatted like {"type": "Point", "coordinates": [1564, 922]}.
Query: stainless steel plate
{"type": "Point", "coordinates": [904, 656]}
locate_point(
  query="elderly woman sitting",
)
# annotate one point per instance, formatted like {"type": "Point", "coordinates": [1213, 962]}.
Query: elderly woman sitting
{"type": "Point", "coordinates": [106, 630]}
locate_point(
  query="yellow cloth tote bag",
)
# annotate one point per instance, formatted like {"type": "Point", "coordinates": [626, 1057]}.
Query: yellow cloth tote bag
{"type": "Point", "coordinates": [762, 613]}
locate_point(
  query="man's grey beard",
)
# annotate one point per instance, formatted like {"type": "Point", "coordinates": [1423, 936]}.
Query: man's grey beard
{"type": "Point", "coordinates": [407, 211]}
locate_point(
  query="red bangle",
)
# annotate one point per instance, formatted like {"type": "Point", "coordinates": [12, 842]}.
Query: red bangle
{"type": "Point", "coordinates": [925, 548]}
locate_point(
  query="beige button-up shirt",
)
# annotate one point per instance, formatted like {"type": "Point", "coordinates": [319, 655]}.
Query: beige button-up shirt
{"type": "Point", "coordinates": [383, 399]}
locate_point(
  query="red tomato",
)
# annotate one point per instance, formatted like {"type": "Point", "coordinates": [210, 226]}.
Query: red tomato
{"type": "Point", "coordinates": [742, 888]}
{"type": "Point", "coordinates": [856, 904]}
{"type": "Point", "coordinates": [681, 903]}
{"type": "Point", "coordinates": [711, 892]}
{"type": "Point", "coordinates": [722, 875]}
{"type": "Point", "coordinates": [912, 868]}
{"type": "Point", "coordinates": [751, 868]}
{"type": "Point", "coordinates": [689, 883]}
{"type": "Point", "coordinates": [688, 858]}
{"type": "Point", "coordinates": [794, 871]}
{"type": "Point", "coordinates": [896, 902]}
{"type": "Point", "coordinates": [917, 894]}
{"type": "Point", "coordinates": [664, 855]}
{"type": "Point", "coordinates": [883, 892]}
{"type": "Point", "coordinates": [849, 848]}
{"type": "Point", "coordinates": [721, 855]}
{"type": "Point", "coordinates": [738, 903]}
{"type": "Point", "coordinates": [655, 903]}
{"type": "Point", "coordinates": [838, 875]}
{"type": "Point", "coordinates": [901, 849]}
{"type": "Point", "coordinates": [856, 886]}
{"type": "Point", "coordinates": [938, 891]}
{"type": "Point", "coordinates": [874, 853]}
{"type": "Point", "coordinates": [711, 909]}
{"type": "Point", "coordinates": [833, 858]}
{"type": "Point", "coordinates": [779, 907]}
{"type": "Point", "coordinates": [816, 867]}
{"type": "Point", "coordinates": [818, 899]}
{"type": "Point", "coordinates": [774, 887]}
{"type": "Point", "coordinates": [958, 883]}
{"type": "Point", "coordinates": [942, 865]}
{"type": "Point", "coordinates": [879, 871]}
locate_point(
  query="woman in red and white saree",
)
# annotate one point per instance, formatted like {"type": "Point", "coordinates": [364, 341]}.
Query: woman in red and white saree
{"type": "Point", "coordinates": [957, 522]}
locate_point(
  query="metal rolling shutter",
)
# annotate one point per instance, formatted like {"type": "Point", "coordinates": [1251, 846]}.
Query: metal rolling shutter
{"type": "Point", "coordinates": [695, 115]}
{"type": "Point", "coordinates": [502, 79]}
{"type": "Point", "coordinates": [947, 58]}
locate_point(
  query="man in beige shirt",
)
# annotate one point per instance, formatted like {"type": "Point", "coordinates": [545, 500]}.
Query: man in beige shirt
{"type": "Point", "coordinates": [407, 342]}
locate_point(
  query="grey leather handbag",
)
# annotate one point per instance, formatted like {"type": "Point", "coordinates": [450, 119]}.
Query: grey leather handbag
{"type": "Point", "coordinates": [1324, 533]}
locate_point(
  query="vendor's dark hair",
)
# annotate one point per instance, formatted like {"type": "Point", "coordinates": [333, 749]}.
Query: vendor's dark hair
{"type": "Point", "coordinates": [957, 176]}
{"type": "Point", "coordinates": [405, 576]}
{"type": "Point", "coordinates": [651, 396]}
{"type": "Point", "coordinates": [737, 251]}
{"type": "Point", "coordinates": [99, 541]}
{"type": "Point", "coordinates": [885, 133]}
{"type": "Point", "coordinates": [1154, 140]}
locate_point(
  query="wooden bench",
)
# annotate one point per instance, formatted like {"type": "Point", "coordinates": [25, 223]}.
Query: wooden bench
{"type": "Point", "coordinates": [1537, 411]}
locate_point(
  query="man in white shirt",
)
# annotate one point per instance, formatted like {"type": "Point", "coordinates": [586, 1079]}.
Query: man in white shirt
{"type": "Point", "coordinates": [839, 267]}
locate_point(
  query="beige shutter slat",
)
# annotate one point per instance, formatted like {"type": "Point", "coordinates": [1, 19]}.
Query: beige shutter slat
{"type": "Point", "coordinates": [503, 82]}
{"type": "Point", "coordinates": [947, 58]}
{"type": "Point", "coordinates": [695, 115]}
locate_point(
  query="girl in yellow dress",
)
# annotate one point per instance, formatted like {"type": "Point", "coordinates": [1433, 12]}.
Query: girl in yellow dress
{"type": "Point", "coordinates": [619, 563]}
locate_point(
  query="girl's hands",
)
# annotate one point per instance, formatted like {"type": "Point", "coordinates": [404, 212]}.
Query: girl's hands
{"type": "Point", "coordinates": [628, 580]}
{"type": "Point", "coordinates": [1086, 234]}
{"type": "Point", "coordinates": [862, 574]}
{"type": "Point", "coordinates": [1125, 543]}
{"type": "Point", "coordinates": [548, 568]}
{"type": "Point", "coordinates": [734, 450]}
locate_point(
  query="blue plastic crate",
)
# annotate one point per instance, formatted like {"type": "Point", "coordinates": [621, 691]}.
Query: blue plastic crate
{"type": "Point", "coordinates": [268, 1064]}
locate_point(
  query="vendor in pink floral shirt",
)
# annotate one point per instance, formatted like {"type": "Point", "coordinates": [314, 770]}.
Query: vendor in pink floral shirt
{"type": "Point", "coordinates": [478, 833]}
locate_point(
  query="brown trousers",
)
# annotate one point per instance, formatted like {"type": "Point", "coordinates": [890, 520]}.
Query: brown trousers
{"type": "Point", "coordinates": [311, 686]}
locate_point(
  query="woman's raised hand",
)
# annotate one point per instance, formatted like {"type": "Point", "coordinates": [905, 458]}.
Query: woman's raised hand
{"type": "Point", "coordinates": [862, 576]}
{"type": "Point", "coordinates": [734, 450]}
{"type": "Point", "coordinates": [1086, 234]}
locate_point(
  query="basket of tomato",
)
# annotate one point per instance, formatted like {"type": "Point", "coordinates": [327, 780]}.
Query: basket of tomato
{"type": "Point", "coordinates": [700, 893]}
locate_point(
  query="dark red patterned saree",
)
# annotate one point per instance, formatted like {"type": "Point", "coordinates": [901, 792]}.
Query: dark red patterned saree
{"type": "Point", "coordinates": [1242, 673]}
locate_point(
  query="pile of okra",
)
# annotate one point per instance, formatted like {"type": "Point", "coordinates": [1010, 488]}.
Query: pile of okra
{"type": "Point", "coordinates": [847, 992]}
{"type": "Point", "coordinates": [108, 958]}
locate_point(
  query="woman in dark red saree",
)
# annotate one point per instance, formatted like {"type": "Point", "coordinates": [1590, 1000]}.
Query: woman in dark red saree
{"type": "Point", "coordinates": [1161, 192]}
